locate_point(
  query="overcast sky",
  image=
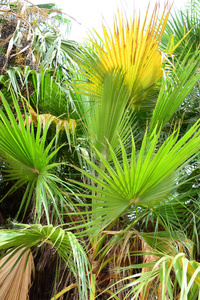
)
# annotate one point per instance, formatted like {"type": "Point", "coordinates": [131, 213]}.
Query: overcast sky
{"type": "Point", "coordinates": [91, 13]}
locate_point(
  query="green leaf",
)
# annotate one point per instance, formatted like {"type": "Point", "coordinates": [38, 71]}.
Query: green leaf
{"type": "Point", "coordinates": [176, 86]}
{"type": "Point", "coordinates": [27, 162]}
{"type": "Point", "coordinates": [65, 243]}
{"type": "Point", "coordinates": [146, 181]}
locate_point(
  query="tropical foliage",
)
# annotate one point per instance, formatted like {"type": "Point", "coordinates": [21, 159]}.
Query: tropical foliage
{"type": "Point", "coordinates": [99, 157]}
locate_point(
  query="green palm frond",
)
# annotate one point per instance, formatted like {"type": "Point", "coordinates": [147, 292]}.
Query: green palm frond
{"type": "Point", "coordinates": [176, 86]}
{"type": "Point", "coordinates": [109, 113]}
{"type": "Point", "coordinates": [183, 26]}
{"type": "Point", "coordinates": [182, 213]}
{"type": "Point", "coordinates": [51, 101]}
{"type": "Point", "coordinates": [27, 161]}
{"type": "Point", "coordinates": [45, 97]}
{"type": "Point", "coordinates": [65, 244]}
{"type": "Point", "coordinates": [144, 179]}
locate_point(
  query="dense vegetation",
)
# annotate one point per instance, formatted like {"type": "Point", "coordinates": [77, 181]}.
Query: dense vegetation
{"type": "Point", "coordinates": [99, 157]}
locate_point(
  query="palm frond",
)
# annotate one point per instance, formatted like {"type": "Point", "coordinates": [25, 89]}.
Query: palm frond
{"type": "Point", "coordinates": [27, 161]}
{"type": "Point", "coordinates": [176, 86]}
{"type": "Point", "coordinates": [46, 98]}
{"type": "Point", "coordinates": [157, 279]}
{"type": "Point", "coordinates": [65, 243]}
{"type": "Point", "coordinates": [52, 104]}
{"type": "Point", "coordinates": [144, 179]}
{"type": "Point", "coordinates": [109, 113]}
{"type": "Point", "coordinates": [15, 275]}
{"type": "Point", "coordinates": [133, 49]}
{"type": "Point", "coordinates": [183, 26]}
{"type": "Point", "coordinates": [51, 48]}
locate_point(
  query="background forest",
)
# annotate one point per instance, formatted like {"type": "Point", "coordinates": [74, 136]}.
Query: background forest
{"type": "Point", "coordinates": [99, 156]}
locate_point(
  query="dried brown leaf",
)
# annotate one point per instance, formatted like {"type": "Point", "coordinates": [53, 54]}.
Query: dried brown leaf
{"type": "Point", "coordinates": [15, 284]}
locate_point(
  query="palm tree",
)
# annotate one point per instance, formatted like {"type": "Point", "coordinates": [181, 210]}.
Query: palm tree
{"type": "Point", "coordinates": [110, 210]}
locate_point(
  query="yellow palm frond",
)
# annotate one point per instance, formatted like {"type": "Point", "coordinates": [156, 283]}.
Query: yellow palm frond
{"type": "Point", "coordinates": [132, 47]}
{"type": "Point", "coordinates": [68, 125]}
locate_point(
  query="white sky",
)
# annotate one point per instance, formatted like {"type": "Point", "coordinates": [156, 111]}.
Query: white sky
{"type": "Point", "coordinates": [91, 13]}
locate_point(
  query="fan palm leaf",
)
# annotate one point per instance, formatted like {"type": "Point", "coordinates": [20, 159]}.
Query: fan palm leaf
{"type": "Point", "coordinates": [15, 278]}
{"type": "Point", "coordinates": [42, 93]}
{"type": "Point", "coordinates": [52, 104]}
{"type": "Point", "coordinates": [109, 114]}
{"type": "Point", "coordinates": [144, 179]}
{"type": "Point", "coordinates": [131, 48]}
{"type": "Point", "coordinates": [52, 49]}
{"type": "Point", "coordinates": [175, 88]}
{"type": "Point", "coordinates": [27, 161]}
{"type": "Point", "coordinates": [183, 26]}
{"type": "Point", "coordinates": [20, 240]}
